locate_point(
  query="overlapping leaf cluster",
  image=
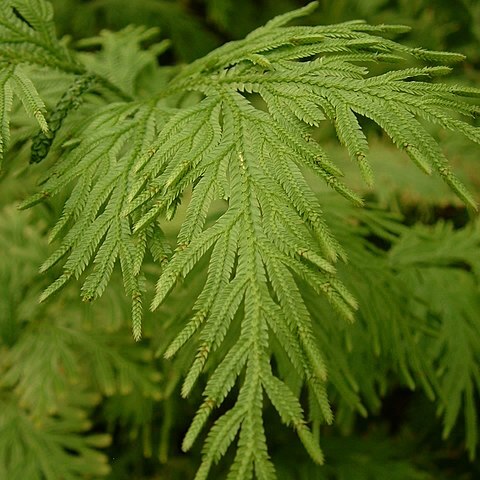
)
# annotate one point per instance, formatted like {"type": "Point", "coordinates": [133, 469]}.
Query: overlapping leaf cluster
{"type": "Point", "coordinates": [56, 365]}
{"type": "Point", "coordinates": [234, 126]}
{"type": "Point", "coordinates": [418, 316]}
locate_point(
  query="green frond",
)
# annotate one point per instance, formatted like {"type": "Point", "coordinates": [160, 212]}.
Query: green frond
{"type": "Point", "coordinates": [216, 327]}
{"type": "Point", "coordinates": [287, 339]}
{"type": "Point", "coordinates": [158, 244]}
{"type": "Point", "coordinates": [187, 332]}
{"type": "Point", "coordinates": [252, 455]}
{"type": "Point", "coordinates": [224, 377]}
{"type": "Point", "coordinates": [186, 258]}
{"type": "Point", "coordinates": [290, 410]}
{"type": "Point", "coordinates": [283, 400]}
{"type": "Point", "coordinates": [56, 362]}
{"type": "Point", "coordinates": [310, 444]}
{"type": "Point", "coordinates": [220, 437]}
{"type": "Point", "coordinates": [444, 57]}
{"type": "Point", "coordinates": [30, 38]}
{"type": "Point", "coordinates": [164, 162]}
{"type": "Point", "coordinates": [115, 368]}
{"type": "Point", "coordinates": [44, 445]}
{"type": "Point", "coordinates": [39, 15]}
{"type": "Point", "coordinates": [98, 233]}
{"type": "Point", "coordinates": [351, 135]}
{"type": "Point", "coordinates": [32, 358]}
{"type": "Point", "coordinates": [33, 104]}
{"type": "Point", "coordinates": [227, 145]}
{"type": "Point", "coordinates": [104, 262]}
{"type": "Point", "coordinates": [282, 20]}
{"type": "Point", "coordinates": [219, 270]}
{"type": "Point", "coordinates": [123, 48]}
{"type": "Point", "coordinates": [69, 101]}
{"type": "Point", "coordinates": [6, 100]}
{"type": "Point", "coordinates": [455, 346]}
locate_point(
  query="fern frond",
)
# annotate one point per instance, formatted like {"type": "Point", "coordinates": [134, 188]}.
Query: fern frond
{"type": "Point", "coordinates": [249, 189]}
{"type": "Point", "coordinates": [235, 127]}
{"type": "Point", "coordinates": [44, 444]}
{"type": "Point", "coordinates": [6, 100]}
{"type": "Point", "coordinates": [13, 80]}
{"type": "Point", "coordinates": [123, 48]}
{"type": "Point", "coordinates": [97, 229]}
{"type": "Point", "coordinates": [27, 35]}
{"type": "Point", "coordinates": [328, 81]}
{"type": "Point", "coordinates": [70, 101]}
{"type": "Point", "coordinates": [455, 348]}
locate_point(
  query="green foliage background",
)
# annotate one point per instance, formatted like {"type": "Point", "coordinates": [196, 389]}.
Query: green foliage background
{"type": "Point", "coordinates": [79, 399]}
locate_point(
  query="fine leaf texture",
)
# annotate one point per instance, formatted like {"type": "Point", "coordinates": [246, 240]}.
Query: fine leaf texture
{"type": "Point", "coordinates": [236, 127]}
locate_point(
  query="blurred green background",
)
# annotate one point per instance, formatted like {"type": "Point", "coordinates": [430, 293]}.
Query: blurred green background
{"type": "Point", "coordinates": [80, 400]}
